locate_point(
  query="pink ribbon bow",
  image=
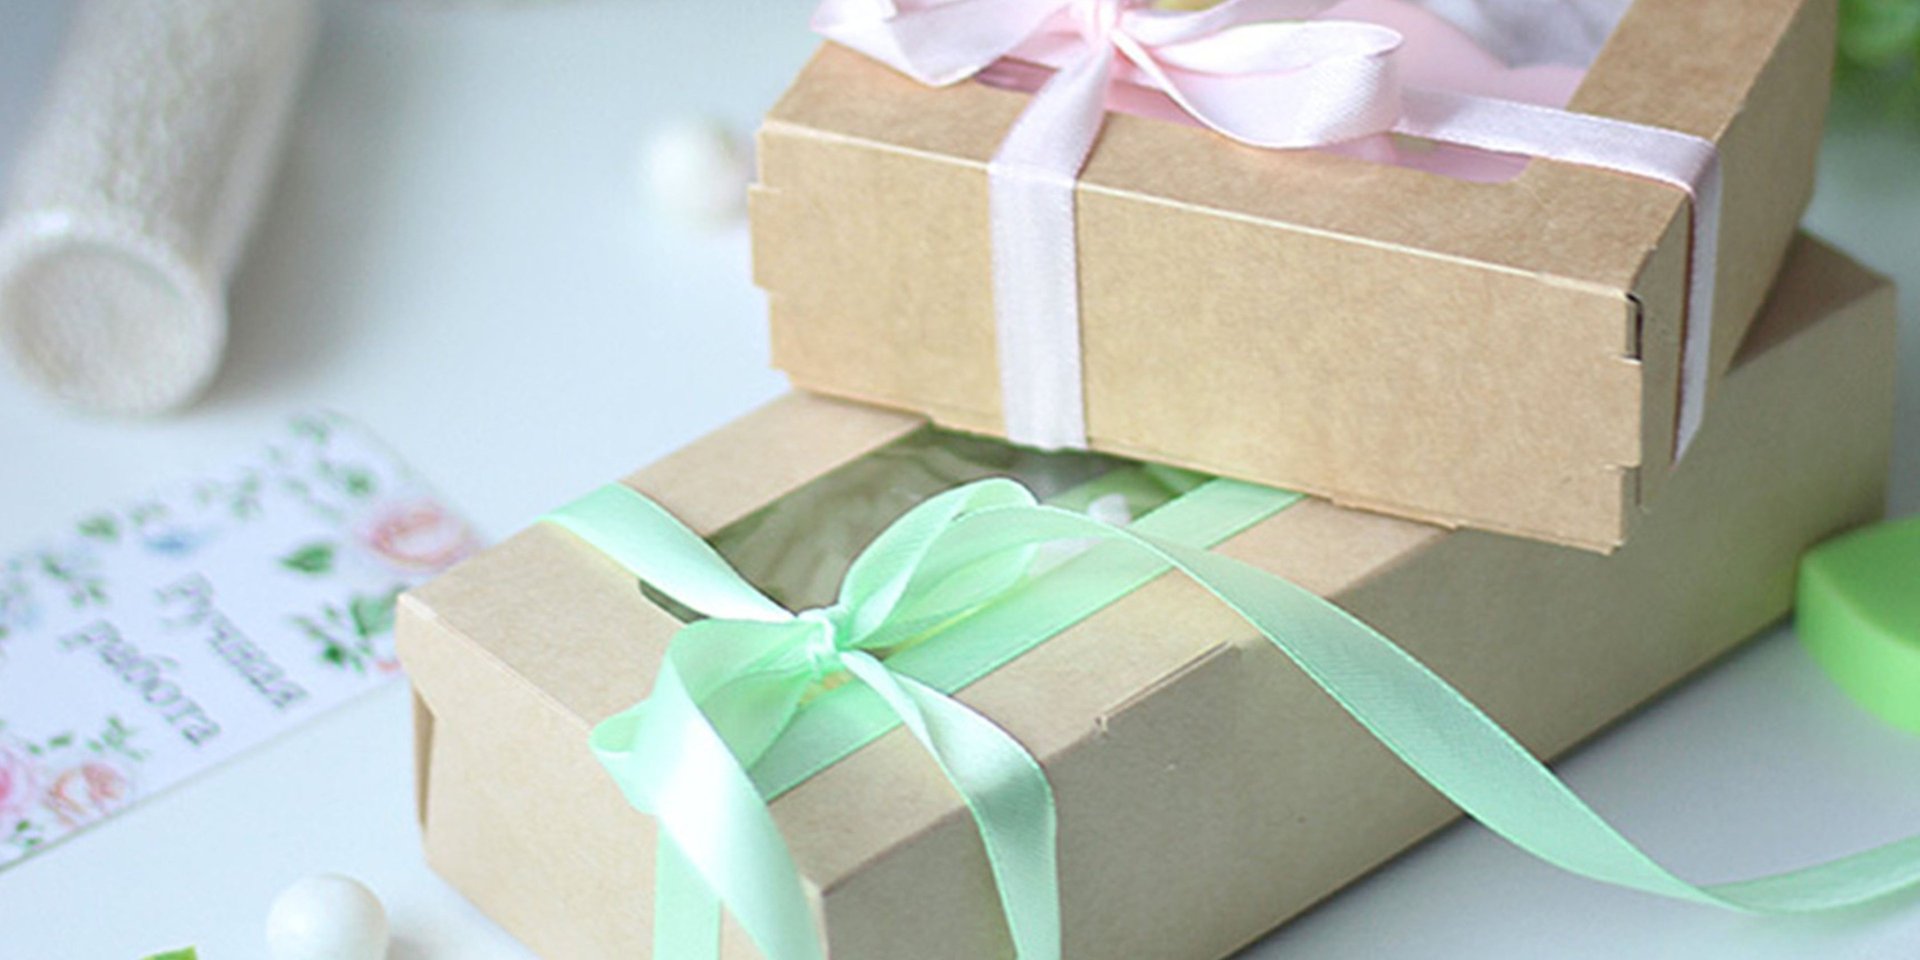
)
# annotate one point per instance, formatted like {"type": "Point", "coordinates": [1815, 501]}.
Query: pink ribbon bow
{"type": "Point", "coordinates": [1257, 71]}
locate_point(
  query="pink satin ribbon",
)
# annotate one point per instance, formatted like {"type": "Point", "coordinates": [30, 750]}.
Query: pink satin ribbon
{"type": "Point", "coordinates": [1257, 71]}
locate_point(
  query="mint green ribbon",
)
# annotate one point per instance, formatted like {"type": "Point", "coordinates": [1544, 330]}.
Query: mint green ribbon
{"type": "Point", "coordinates": [732, 689]}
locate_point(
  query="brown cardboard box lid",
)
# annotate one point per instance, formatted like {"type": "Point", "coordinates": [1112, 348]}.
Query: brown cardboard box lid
{"type": "Point", "coordinates": [1499, 356]}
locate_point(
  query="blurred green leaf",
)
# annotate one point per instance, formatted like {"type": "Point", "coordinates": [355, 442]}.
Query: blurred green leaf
{"type": "Point", "coordinates": [1876, 33]}
{"type": "Point", "coordinates": [373, 616]}
{"type": "Point", "coordinates": [314, 559]}
{"type": "Point", "coordinates": [1877, 72]}
{"type": "Point", "coordinates": [359, 483]}
{"type": "Point", "coordinates": [100, 527]}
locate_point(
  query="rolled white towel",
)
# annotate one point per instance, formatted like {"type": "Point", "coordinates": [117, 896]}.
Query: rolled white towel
{"type": "Point", "coordinates": [132, 196]}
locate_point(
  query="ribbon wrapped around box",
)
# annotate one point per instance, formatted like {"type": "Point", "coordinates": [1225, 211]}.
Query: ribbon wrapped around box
{"type": "Point", "coordinates": [1204, 789]}
{"type": "Point", "coordinates": [1527, 356]}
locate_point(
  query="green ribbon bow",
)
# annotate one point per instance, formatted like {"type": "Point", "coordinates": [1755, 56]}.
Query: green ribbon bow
{"type": "Point", "coordinates": [731, 685]}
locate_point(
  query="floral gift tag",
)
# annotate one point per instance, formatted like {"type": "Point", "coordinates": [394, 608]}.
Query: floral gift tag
{"type": "Point", "coordinates": [149, 643]}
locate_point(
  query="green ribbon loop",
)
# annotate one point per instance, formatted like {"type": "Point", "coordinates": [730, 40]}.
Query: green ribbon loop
{"type": "Point", "coordinates": [731, 684]}
{"type": "Point", "coordinates": [956, 568]}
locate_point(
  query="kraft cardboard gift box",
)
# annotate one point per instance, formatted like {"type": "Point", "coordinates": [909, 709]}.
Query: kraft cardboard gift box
{"type": "Point", "coordinates": [1502, 356]}
{"type": "Point", "coordinates": [1207, 790]}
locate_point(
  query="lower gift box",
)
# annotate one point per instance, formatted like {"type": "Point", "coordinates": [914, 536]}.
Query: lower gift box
{"type": "Point", "coordinates": [1206, 789]}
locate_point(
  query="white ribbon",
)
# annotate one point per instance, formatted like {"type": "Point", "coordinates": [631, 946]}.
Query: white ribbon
{"type": "Point", "coordinates": [1256, 71]}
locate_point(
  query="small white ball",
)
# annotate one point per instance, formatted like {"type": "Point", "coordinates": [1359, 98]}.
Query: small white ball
{"type": "Point", "coordinates": [327, 917]}
{"type": "Point", "coordinates": [696, 171]}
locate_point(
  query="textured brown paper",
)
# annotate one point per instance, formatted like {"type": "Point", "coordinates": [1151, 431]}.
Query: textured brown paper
{"type": "Point", "coordinates": [1207, 789]}
{"type": "Point", "coordinates": [1500, 356]}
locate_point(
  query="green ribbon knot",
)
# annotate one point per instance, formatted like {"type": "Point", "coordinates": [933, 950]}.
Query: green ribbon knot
{"type": "Point", "coordinates": [733, 683]}
{"type": "Point", "coordinates": [956, 571]}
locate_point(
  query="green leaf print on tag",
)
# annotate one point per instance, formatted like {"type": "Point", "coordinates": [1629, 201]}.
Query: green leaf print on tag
{"type": "Point", "coordinates": [314, 429]}
{"type": "Point", "coordinates": [356, 482]}
{"type": "Point", "coordinates": [314, 559]}
{"type": "Point", "coordinates": [100, 526]}
{"type": "Point", "coordinates": [117, 738]}
{"type": "Point", "coordinates": [352, 635]}
{"type": "Point", "coordinates": [373, 615]}
{"type": "Point", "coordinates": [75, 575]}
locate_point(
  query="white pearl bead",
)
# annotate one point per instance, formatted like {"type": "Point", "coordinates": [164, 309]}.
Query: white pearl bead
{"type": "Point", "coordinates": [327, 917]}
{"type": "Point", "coordinates": [695, 171]}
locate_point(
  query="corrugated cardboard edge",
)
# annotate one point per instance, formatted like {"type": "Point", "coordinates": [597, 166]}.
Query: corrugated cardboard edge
{"type": "Point", "coordinates": [422, 755]}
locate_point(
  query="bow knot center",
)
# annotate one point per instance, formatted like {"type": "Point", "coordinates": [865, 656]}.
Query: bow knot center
{"type": "Point", "coordinates": [822, 643]}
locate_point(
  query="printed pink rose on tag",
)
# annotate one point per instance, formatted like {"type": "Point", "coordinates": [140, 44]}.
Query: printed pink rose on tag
{"type": "Point", "coordinates": [87, 792]}
{"type": "Point", "coordinates": [19, 783]}
{"type": "Point", "coordinates": [417, 535]}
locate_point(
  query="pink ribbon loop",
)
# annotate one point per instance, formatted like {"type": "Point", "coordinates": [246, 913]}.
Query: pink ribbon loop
{"type": "Point", "coordinates": [1257, 71]}
{"type": "Point", "coordinates": [1260, 72]}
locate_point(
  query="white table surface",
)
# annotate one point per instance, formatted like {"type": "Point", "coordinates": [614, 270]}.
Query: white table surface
{"type": "Point", "coordinates": [456, 254]}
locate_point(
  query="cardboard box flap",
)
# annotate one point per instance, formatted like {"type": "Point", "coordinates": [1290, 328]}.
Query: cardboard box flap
{"type": "Point", "coordinates": [573, 625]}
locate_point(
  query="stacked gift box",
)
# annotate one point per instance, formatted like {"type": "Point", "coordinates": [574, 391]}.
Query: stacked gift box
{"type": "Point", "coordinates": [1564, 422]}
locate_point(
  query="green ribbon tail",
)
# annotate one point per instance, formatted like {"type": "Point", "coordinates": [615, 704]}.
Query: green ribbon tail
{"type": "Point", "coordinates": [1005, 790]}
{"type": "Point", "coordinates": [686, 914]}
{"type": "Point", "coordinates": [1456, 747]}
{"type": "Point", "coordinates": [669, 761]}
{"type": "Point", "coordinates": [719, 845]}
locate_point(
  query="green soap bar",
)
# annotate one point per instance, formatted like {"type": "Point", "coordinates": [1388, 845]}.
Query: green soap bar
{"type": "Point", "coordinates": [1859, 615]}
{"type": "Point", "coordinates": [184, 953]}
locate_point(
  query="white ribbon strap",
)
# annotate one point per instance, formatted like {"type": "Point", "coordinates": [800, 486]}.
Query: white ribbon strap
{"type": "Point", "coordinates": [1255, 71]}
{"type": "Point", "coordinates": [1272, 83]}
{"type": "Point", "coordinates": [1036, 267]}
